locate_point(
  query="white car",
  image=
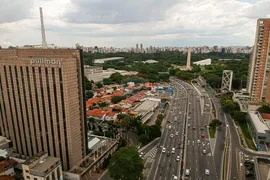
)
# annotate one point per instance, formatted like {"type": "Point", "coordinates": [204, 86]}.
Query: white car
{"type": "Point", "coordinates": [173, 150]}
{"type": "Point", "coordinates": [176, 133]}
{"type": "Point", "coordinates": [204, 151]}
{"type": "Point", "coordinates": [188, 125]}
{"type": "Point", "coordinates": [141, 154]}
{"type": "Point", "coordinates": [177, 158]}
{"type": "Point", "coordinates": [171, 135]}
{"type": "Point", "coordinates": [170, 127]}
{"type": "Point", "coordinates": [174, 177]}
{"type": "Point", "coordinates": [187, 172]}
{"type": "Point", "coordinates": [198, 141]}
{"type": "Point", "coordinates": [207, 172]}
{"type": "Point", "coordinates": [163, 150]}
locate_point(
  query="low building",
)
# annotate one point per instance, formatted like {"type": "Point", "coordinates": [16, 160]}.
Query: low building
{"type": "Point", "coordinates": [203, 62]}
{"type": "Point", "coordinates": [93, 73]}
{"type": "Point", "coordinates": [146, 109]}
{"type": "Point", "coordinates": [259, 126]}
{"type": "Point", "coordinates": [42, 167]}
{"type": "Point", "coordinates": [150, 61]}
{"type": "Point", "coordinates": [97, 74]}
{"type": "Point", "coordinates": [7, 167]}
{"type": "Point", "coordinates": [102, 60]}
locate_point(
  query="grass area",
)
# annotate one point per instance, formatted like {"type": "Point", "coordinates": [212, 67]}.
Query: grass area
{"type": "Point", "coordinates": [247, 136]}
{"type": "Point", "coordinates": [212, 131]}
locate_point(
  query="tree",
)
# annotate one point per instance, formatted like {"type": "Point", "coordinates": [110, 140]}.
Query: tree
{"type": "Point", "coordinates": [87, 84]}
{"type": "Point", "coordinates": [154, 131]}
{"type": "Point", "coordinates": [107, 81]}
{"type": "Point", "coordinates": [143, 138]}
{"type": "Point", "coordinates": [102, 104]}
{"type": "Point", "coordinates": [116, 99]}
{"type": "Point", "coordinates": [264, 109]}
{"type": "Point", "coordinates": [89, 94]}
{"type": "Point", "coordinates": [215, 122]}
{"type": "Point", "coordinates": [239, 116]}
{"type": "Point", "coordinates": [99, 85]}
{"type": "Point", "coordinates": [126, 164]}
{"type": "Point", "coordinates": [117, 77]}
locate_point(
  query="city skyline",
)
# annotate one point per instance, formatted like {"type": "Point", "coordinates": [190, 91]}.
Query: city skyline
{"type": "Point", "coordinates": [103, 23]}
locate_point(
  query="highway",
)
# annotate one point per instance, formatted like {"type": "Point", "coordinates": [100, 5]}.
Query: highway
{"type": "Point", "coordinates": [166, 165]}
{"type": "Point", "coordinates": [198, 161]}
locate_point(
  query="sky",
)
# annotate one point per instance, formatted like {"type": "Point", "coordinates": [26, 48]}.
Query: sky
{"type": "Point", "coordinates": [125, 23]}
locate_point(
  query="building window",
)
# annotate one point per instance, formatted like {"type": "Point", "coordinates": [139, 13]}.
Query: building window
{"type": "Point", "coordinates": [35, 178]}
{"type": "Point", "coordinates": [26, 171]}
{"type": "Point", "coordinates": [28, 177]}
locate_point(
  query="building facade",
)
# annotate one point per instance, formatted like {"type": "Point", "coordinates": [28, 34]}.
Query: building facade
{"type": "Point", "coordinates": [259, 76]}
{"type": "Point", "coordinates": [42, 102]}
{"type": "Point", "coordinates": [42, 167]}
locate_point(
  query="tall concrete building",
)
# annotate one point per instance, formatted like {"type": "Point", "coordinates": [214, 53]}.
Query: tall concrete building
{"type": "Point", "coordinates": [42, 102]}
{"type": "Point", "coordinates": [137, 48]}
{"type": "Point", "coordinates": [141, 48]}
{"type": "Point", "coordinates": [259, 76]}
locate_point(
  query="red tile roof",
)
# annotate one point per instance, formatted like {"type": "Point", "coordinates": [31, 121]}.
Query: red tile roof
{"type": "Point", "coordinates": [5, 163]}
{"type": "Point", "coordinates": [96, 113]}
{"type": "Point", "coordinates": [265, 115]}
{"type": "Point", "coordinates": [5, 177]}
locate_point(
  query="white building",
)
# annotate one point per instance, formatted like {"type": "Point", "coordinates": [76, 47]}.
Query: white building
{"type": "Point", "coordinates": [203, 62]}
{"type": "Point", "coordinates": [42, 167]}
{"type": "Point", "coordinates": [96, 73]}
{"type": "Point", "coordinates": [101, 61]}
{"type": "Point", "coordinates": [150, 61]}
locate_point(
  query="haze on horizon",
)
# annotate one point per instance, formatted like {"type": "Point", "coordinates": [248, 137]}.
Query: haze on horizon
{"type": "Point", "coordinates": [122, 23]}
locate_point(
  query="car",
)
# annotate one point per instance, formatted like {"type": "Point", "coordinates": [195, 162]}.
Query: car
{"type": "Point", "coordinates": [188, 125]}
{"type": "Point", "coordinates": [141, 154]}
{"type": "Point", "coordinates": [202, 135]}
{"type": "Point", "coordinates": [202, 128]}
{"type": "Point", "coordinates": [198, 141]}
{"type": "Point", "coordinates": [207, 172]}
{"type": "Point", "coordinates": [171, 135]}
{"type": "Point", "coordinates": [204, 151]}
{"type": "Point", "coordinates": [174, 177]}
{"type": "Point", "coordinates": [193, 128]}
{"type": "Point", "coordinates": [176, 133]}
{"type": "Point", "coordinates": [187, 172]}
{"type": "Point", "coordinates": [170, 127]}
{"type": "Point", "coordinates": [177, 158]}
{"type": "Point", "coordinates": [173, 150]}
{"type": "Point", "coordinates": [163, 150]}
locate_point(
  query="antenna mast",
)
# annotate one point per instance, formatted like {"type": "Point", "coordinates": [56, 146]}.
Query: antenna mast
{"type": "Point", "coordinates": [44, 42]}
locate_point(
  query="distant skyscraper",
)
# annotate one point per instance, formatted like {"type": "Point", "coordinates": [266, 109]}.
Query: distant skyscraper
{"type": "Point", "coordinates": [141, 48]}
{"type": "Point", "coordinates": [41, 102]}
{"type": "Point", "coordinates": [137, 48]}
{"type": "Point", "coordinates": [188, 59]}
{"type": "Point", "coordinates": [259, 76]}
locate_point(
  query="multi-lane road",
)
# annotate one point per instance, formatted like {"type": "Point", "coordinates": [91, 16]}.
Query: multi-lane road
{"type": "Point", "coordinates": [188, 116]}
{"type": "Point", "coordinates": [166, 164]}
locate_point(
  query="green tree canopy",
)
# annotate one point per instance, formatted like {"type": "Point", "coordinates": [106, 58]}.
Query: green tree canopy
{"type": "Point", "coordinates": [264, 109]}
{"type": "Point", "coordinates": [116, 99]}
{"type": "Point", "coordinates": [126, 164]}
{"type": "Point", "coordinates": [239, 116]}
{"type": "Point", "coordinates": [87, 84]}
{"type": "Point", "coordinates": [117, 77]}
{"type": "Point", "coordinates": [99, 85]}
{"type": "Point", "coordinates": [89, 94]}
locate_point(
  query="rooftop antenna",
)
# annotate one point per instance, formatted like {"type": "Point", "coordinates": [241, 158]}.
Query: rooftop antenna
{"type": "Point", "coordinates": [44, 42]}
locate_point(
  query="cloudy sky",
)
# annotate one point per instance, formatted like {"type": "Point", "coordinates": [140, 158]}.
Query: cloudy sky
{"type": "Point", "coordinates": [123, 23]}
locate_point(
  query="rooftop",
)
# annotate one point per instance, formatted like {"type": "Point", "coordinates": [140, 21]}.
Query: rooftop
{"type": "Point", "coordinates": [43, 165]}
{"type": "Point", "coordinates": [259, 125]}
{"type": "Point", "coordinates": [146, 106]}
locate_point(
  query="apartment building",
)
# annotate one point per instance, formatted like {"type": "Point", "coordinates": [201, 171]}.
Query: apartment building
{"type": "Point", "coordinates": [259, 76]}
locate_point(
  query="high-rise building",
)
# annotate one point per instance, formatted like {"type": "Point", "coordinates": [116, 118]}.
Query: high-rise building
{"type": "Point", "coordinates": [259, 76]}
{"type": "Point", "coordinates": [137, 48]}
{"type": "Point", "coordinates": [42, 102]}
{"type": "Point", "coordinates": [141, 48]}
